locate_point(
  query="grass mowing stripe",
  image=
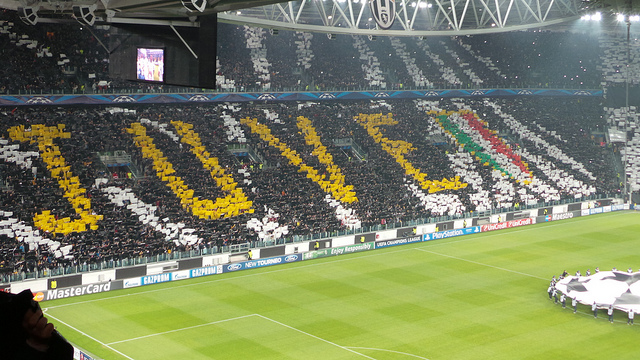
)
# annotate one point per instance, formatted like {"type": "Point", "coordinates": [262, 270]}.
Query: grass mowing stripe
{"type": "Point", "coordinates": [89, 336]}
{"type": "Point", "coordinates": [315, 337]}
{"type": "Point", "coordinates": [385, 350]}
{"type": "Point", "coordinates": [479, 263]}
{"type": "Point", "coordinates": [286, 267]}
{"type": "Point", "coordinates": [447, 305]}
{"type": "Point", "coordinates": [527, 228]}
{"type": "Point", "coordinates": [474, 237]}
{"type": "Point", "coordinates": [182, 329]}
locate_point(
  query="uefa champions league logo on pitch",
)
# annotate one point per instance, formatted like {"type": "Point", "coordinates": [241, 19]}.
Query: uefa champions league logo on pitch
{"type": "Point", "coordinates": [384, 12]}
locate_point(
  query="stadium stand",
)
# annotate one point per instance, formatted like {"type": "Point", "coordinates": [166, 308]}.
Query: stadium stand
{"type": "Point", "coordinates": [70, 58]}
{"type": "Point", "coordinates": [295, 182]}
{"type": "Point", "coordinates": [199, 179]}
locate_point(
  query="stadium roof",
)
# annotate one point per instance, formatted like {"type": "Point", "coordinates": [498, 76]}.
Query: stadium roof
{"type": "Point", "coordinates": [412, 17]}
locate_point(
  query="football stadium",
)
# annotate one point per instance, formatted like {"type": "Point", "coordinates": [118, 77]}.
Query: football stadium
{"type": "Point", "coordinates": [319, 179]}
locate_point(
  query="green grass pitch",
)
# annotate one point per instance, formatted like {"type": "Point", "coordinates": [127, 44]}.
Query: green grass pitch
{"type": "Point", "coordinates": [473, 297]}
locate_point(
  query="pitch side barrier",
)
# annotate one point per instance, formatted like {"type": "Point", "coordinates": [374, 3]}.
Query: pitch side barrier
{"type": "Point", "coordinates": [135, 276]}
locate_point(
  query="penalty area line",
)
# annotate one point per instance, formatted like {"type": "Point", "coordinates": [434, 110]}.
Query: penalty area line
{"type": "Point", "coordinates": [181, 329]}
{"type": "Point", "coordinates": [90, 337]}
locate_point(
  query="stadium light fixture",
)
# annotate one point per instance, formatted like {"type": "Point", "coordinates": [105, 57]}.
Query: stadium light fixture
{"type": "Point", "coordinates": [620, 17]}
{"type": "Point", "coordinates": [29, 14]}
{"type": "Point", "coordinates": [85, 13]}
{"type": "Point", "coordinates": [634, 18]}
{"type": "Point", "coordinates": [194, 5]}
{"type": "Point", "coordinates": [592, 17]}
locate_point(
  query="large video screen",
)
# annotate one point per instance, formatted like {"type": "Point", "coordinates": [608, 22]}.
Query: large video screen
{"type": "Point", "coordinates": [150, 64]}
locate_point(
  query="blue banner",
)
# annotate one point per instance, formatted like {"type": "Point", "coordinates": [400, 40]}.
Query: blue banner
{"type": "Point", "coordinates": [605, 209]}
{"type": "Point", "coordinates": [155, 279]}
{"type": "Point", "coordinates": [452, 233]}
{"type": "Point", "coordinates": [109, 99]}
{"type": "Point", "coordinates": [204, 271]}
{"type": "Point", "coordinates": [252, 264]}
{"type": "Point", "coordinates": [618, 207]}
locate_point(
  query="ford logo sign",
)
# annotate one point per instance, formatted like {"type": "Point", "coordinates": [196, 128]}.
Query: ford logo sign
{"type": "Point", "coordinates": [291, 258]}
{"type": "Point", "coordinates": [234, 267]}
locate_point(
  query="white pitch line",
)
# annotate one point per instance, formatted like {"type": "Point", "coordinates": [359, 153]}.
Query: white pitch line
{"type": "Point", "coordinates": [391, 351]}
{"type": "Point", "coordinates": [314, 336]}
{"type": "Point", "coordinates": [479, 263]}
{"type": "Point", "coordinates": [424, 244]}
{"type": "Point", "coordinates": [238, 318]}
{"type": "Point", "coordinates": [497, 233]}
{"type": "Point", "coordinates": [230, 278]}
{"type": "Point", "coordinates": [185, 328]}
{"type": "Point", "coordinates": [90, 337]}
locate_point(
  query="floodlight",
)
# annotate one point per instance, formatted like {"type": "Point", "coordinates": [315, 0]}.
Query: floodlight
{"type": "Point", "coordinates": [28, 15]}
{"type": "Point", "coordinates": [194, 5]}
{"type": "Point", "coordinates": [620, 17]}
{"type": "Point", "coordinates": [84, 13]}
{"type": "Point", "coordinates": [634, 18]}
{"type": "Point", "coordinates": [596, 17]}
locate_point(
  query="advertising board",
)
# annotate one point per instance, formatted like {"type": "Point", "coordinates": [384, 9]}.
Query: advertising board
{"type": "Point", "coordinates": [338, 250]}
{"type": "Point", "coordinates": [408, 240]}
{"type": "Point", "coordinates": [78, 290]}
{"type": "Point", "coordinates": [252, 264]}
{"type": "Point", "coordinates": [204, 271]}
{"type": "Point", "coordinates": [508, 224]}
{"type": "Point", "coordinates": [562, 216]}
{"type": "Point", "coordinates": [452, 233]}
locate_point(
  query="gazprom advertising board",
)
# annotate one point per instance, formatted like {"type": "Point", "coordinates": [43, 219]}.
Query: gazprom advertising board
{"type": "Point", "coordinates": [172, 276]}
{"type": "Point", "coordinates": [451, 233]}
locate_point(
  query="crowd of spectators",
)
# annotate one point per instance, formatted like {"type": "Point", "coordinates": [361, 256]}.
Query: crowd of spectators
{"type": "Point", "coordinates": [327, 73]}
{"type": "Point", "coordinates": [514, 59]}
{"type": "Point", "coordinates": [30, 56]}
{"type": "Point", "coordinates": [275, 186]}
{"type": "Point", "coordinates": [69, 58]}
{"type": "Point", "coordinates": [541, 58]}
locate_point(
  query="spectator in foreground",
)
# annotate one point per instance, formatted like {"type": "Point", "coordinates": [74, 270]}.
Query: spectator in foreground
{"type": "Point", "coordinates": [26, 334]}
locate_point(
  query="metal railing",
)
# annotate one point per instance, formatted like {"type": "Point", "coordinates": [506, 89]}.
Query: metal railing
{"type": "Point", "coordinates": [165, 89]}
{"type": "Point", "coordinates": [205, 249]}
